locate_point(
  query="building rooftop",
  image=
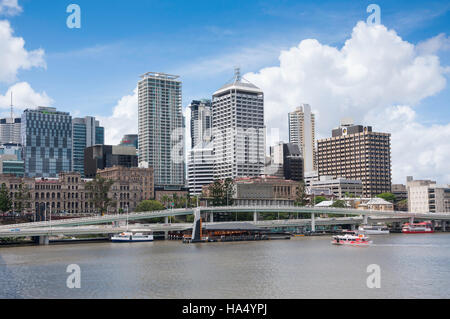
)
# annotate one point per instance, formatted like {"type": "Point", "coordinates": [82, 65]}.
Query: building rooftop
{"type": "Point", "coordinates": [238, 83]}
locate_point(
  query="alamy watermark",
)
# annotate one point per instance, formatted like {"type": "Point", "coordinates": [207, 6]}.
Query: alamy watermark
{"type": "Point", "coordinates": [375, 17]}
{"type": "Point", "coordinates": [74, 279]}
{"type": "Point", "coordinates": [74, 19]}
{"type": "Point", "coordinates": [374, 279]}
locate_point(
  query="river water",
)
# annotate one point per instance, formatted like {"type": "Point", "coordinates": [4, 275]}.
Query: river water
{"type": "Point", "coordinates": [411, 266]}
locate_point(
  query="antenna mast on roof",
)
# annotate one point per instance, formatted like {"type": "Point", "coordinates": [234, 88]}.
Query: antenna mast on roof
{"type": "Point", "coordinates": [237, 74]}
{"type": "Point", "coordinates": [12, 115]}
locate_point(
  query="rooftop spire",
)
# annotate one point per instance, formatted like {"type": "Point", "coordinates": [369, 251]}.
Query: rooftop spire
{"type": "Point", "coordinates": [12, 115]}
{"type": "Point", "coordinates": [237, 74]}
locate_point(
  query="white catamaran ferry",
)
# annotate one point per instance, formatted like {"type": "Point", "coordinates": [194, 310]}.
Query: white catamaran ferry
{"type": "Point", "coordinates": [351, 239]}
{"type": "Point", "coordinates": [374, 230]}
{"type": "Point", "coordinates": [131, 237]}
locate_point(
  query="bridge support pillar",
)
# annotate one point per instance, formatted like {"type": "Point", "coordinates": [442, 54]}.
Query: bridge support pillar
{"type": "Point", "coordinates": [313, 222]}
{"type": "Point", "coordinates": [211, 217]}
{"type": "Point", "coordinates": [411, 220]}
{"type": "Point", "coordinates": [444, 225]}
{"type": "Point", "coordinates": [352, 227]}
{"type": "Point", "coordinates": [365, 219]}
{"type": "Point", "coordinates": [166, 235]}
{"type": "Point", "coordinates": [166, 220]}
{"type": "Point", "coordinates": [43, 240]}
{"type": "Point", "coordinates": [255, 216]}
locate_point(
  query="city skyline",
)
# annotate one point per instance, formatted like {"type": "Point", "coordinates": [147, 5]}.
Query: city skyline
{"type": "Point", "coordinates": [421, 114]}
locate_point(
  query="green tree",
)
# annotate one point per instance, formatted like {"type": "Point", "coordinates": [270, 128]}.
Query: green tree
{"type": "Point", "coordinates": [98, 190]}
{"type": "Point", "coordinates": [5, 200]}
{"type": "Point", "coordinates": [387, 196]}
{"type": "Point", "coordinates": [301, 198]}
{"type": "Point", "coordinates": [149, 206]}
{"type": "Point", "coordinates": [319, 199]}
{"type": "Point", "coordinates": [402, 205]}
{"type": "Point", "coordinates": [23, 198]}
{"type": "Point", "coordinates": [339, 204]}
{"type": "Point", "coordinates": [228, 191]}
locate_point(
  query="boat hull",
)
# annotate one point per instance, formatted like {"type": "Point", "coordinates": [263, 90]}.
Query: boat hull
{"type": "Point", "coordinates": [360, 244]}
{"type": "Point", "coordinates": [417, 232]}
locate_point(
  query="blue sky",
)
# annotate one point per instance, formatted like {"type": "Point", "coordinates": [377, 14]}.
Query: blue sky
{"type": "Point", "coordinates": [89, 70]}
{"type": "Point", "coordinates": [92, 67]}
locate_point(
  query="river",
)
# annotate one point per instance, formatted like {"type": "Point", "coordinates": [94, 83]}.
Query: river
{"type": "Point", "coordinates": [411, 266]}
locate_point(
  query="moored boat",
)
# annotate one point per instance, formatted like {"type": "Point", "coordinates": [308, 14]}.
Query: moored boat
{"type": "Point", "coordinates": [417, 228]}
{"type": "Point", "coordinates": [374, 230]}
{"type": "Point", "coordinates": [131, 237]}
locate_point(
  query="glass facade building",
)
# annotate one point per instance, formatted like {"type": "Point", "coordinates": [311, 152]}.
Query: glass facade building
{"type": "Point", "coordinates": [86, 132]}
{"type": "Point", "coordinates": [47, 142]}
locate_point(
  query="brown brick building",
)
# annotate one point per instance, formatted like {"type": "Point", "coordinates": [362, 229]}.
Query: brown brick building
{"type": "Point", "coordinates": [355, 152]}
{"type": "Point", "coordinates": [132, 185]}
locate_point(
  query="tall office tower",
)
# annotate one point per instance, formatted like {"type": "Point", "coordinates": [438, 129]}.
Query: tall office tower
{"type": "Point", "coordinates": [302, 132]}
{"type": "Point", "coordinates": [85, 132]}
{"type": "Point", "coordinates": [287, 160]}
{"type": "Point", "coordinates": [10, 131]}
{"type": "Point", "coordinates": [200, 158]}
{"type": "Point", "coordinates": [47, 142]}
{"type": "Point", "coordinates": [355, 152]}
{"type": "Point", "coordinates": [238, 130]}
{"type": "Point", "coordinates": [161, 128]}
{"type": "Point", "coordinates": [201, 122]}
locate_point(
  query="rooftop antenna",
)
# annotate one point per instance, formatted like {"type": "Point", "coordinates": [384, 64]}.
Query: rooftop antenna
{"type": "Point", "coordinates": [237, 74]}
{"type": "Point", "coordinates": [12, 115]}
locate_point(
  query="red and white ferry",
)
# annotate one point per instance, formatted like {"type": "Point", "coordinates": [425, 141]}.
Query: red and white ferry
{"type": "Point", "coordinates": [354, 239]}
{"type": "Point", "coordinates": [417, 228]}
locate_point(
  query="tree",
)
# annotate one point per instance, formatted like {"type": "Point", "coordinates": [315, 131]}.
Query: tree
{"type": "Point", "coordinates": [23, 198]}
{"type": "Point", "coordinates": [5, 200]}
{"type": "Point", "coordinates": [228, 190]}
{"type": "Point", "coordinates": [339, 204]}
{"type": "Point", "coordinates": [98, 190]}
{"type": "Point", "coordinates": [222, 192]}
{"type": "Point", "coordinates": [387, 196]}
{"type": "Point", "coordinates": [149, 206]}
{"type": "Point", "coordinates": [402, 205]}
{"type": "Point", "coordinates": [300, 199]}
{"type": "Point", "coordinates": [319, 199]}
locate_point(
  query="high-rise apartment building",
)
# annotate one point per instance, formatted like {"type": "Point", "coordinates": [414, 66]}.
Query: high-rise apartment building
{"type": "Point", "coordinates": [200, 157]}
{"type": "Point", "coordinates": [85, 132]}
{"type": "Point", "coordinates": [302, 132]}
{"type": "Point", "coordinates": [47, 142]}
{"type": "Point", "coordinates": [161, 128]}
{"type": "Point", "coordinates": [355, 152]}
{"type": "Point", "coordinates": [238, 130]}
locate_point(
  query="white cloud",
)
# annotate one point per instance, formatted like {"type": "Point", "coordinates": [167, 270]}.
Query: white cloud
{"type": "Point", "coordinates": [23, 97]}
{"type": "Point", "coordinates": [441, 42]}
{"type": "Point", "coordinates": [124, 119]}
{"type": "Point", "coordinates": [417, 150]}
{"type": "Point", "coordinates": [10, 7]}
{"type": "Point", "coordinates": [14, 56]}
{"type": "Point", "coordinates": [374, 70]}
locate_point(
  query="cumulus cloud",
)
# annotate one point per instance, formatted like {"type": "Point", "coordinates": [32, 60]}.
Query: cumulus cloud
{"type": "Point", "coordinates": [14, 56]}
{"type": "Point", "coordinates": [124, 119]}
{"type": "Point", "coordinates": [417, 150]}
{"type": "Point", "coordinates": [23, 97]}
{"type": "Point", "coordinates": [10, 7]}
{"type": "Point", "coordinates": [374, 70]}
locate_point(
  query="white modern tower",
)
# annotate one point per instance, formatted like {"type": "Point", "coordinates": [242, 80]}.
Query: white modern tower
{"type": "Point", "coordinates": [161, 128]}
{"type": "Point", "coordinates": [238, 130]}
{"type": "Point", "coordinates": [200, 158]}
{"type": "Point", "coordinates": [302, 132]}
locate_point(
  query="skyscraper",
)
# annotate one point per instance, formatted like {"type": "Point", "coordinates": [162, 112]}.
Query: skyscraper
{"type": "Point", "coordinates": [10, 130]}
{"type": "Point", "coordinates": [355, 152]}
{"type": "Point", "coordinates": [85, 132]}
{"type": "Point", "coordinates": [47, 142]}
{"type": "Point", "coordinates": [238, 130]}
{"type": "Point", "coordinates": [286, 161]}
{"type": "Point", "coordinates": [201, 122]}
{"type": "Point", "coordinates": [200, 158]}
{"type": "Point", "coordinates": [161, 128]}
{"type": "Point", "coordinates": [302, 132]}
